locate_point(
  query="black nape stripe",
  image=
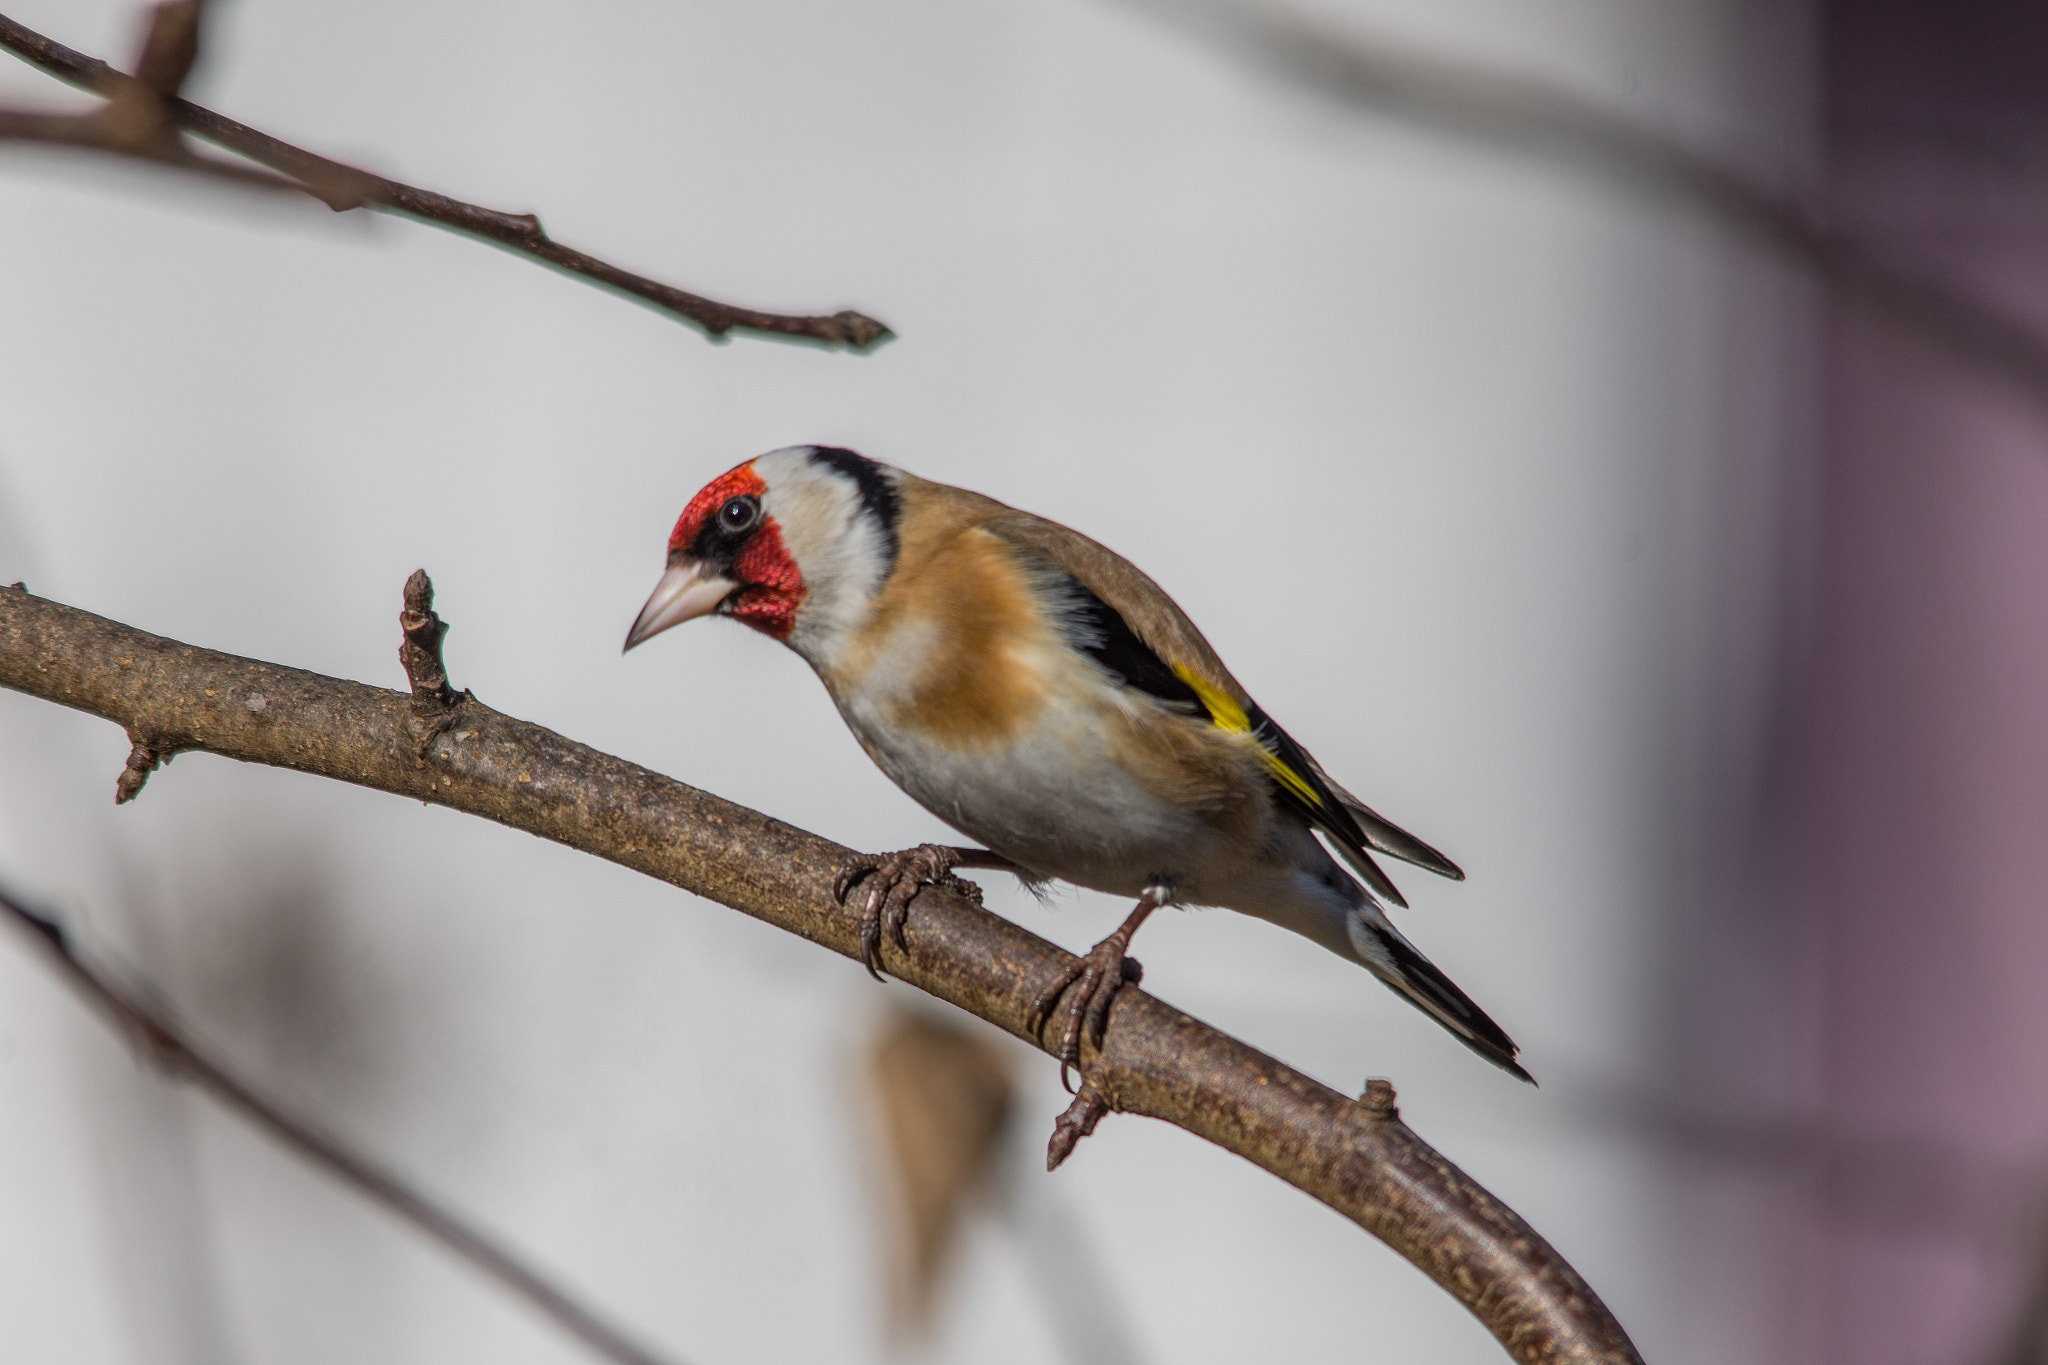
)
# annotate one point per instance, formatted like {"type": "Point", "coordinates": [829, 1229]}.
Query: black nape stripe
{"type": "Point", "coordinates": [877, 491]}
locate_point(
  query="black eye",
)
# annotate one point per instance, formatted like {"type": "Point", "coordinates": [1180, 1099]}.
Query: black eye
{"type": "Point", "coordinates": [739, 515]}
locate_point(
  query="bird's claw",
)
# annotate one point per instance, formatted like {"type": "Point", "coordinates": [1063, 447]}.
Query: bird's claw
{"type": "Point", "coordinates": [1129, 972]}
{"type": "Point", "coordinates": [1088, 986]}
{"type": "Point", "coordinates": [893, 879]}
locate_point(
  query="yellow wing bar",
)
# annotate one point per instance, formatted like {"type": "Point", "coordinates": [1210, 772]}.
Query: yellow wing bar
{"type": "Point", "coordinates": [1228, 715]}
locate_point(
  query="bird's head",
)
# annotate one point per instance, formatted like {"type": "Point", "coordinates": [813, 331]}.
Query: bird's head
{"type": "Point", "coordinates": [794, 543]}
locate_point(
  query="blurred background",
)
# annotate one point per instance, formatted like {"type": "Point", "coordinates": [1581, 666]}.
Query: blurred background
{"type": "Point", "coordinates": [1698, 616]}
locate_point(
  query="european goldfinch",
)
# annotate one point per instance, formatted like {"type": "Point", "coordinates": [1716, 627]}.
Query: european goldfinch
{"type": "Point", "coordinates": [1042, 696]}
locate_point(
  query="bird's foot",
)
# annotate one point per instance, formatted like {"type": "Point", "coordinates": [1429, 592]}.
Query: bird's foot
{"type": "Point", "coordinates": [1078, 1122]}
{"type": "Point", "coordinates": [1089, 984]}
{"type": "Point", "coordinates": [893, 881]}
{"type": "Point", "coordinates": [1081, 995]}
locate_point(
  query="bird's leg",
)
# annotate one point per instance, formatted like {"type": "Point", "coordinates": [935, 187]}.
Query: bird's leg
{"type": "Point", "coordinates": [894, 879]}
{"type": "Point", "coordinates": [1089, 984]}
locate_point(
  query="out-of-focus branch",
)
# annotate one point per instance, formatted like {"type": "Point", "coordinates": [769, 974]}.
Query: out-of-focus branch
{"type": "Point", "coordinates": [345, 187]}
{"type": "Point", "coordinates": [1354, 1155]}
{"type": "Point", "coordinates": [168, 1046]}
{"type": "Point", "coordinates": [104, 130]}
{"type": "Point", "coordinates": [2025, 1341]}
{"type": "Point", "coordinates": [171, 46]}
{"type": "Point", "coordinates": [941, 1099]}
{"type": "Point", "coordinates": [138, 119]}
{"type": "Point", "coordinates": [1887, 1182]}
{"type": "Point", "coordinates": [1394, 80]}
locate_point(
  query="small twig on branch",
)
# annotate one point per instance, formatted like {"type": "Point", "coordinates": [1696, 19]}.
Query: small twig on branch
{"type": "Point", "coordinates": [420, 655]}
{"type": "Point", "coordinates": [1090, 1107]}
{"type": "Point", "coordinates": [343, 187]}
{"type": "Point", "coordinates": [171, 46]}
{"type": "Point", "coordinates": [1391, 79]}
{"type": "Point", "coordinates": [143, 759]}
{"type": "Point", "coordinates": [1358, 1158]}
{"type": "Point", "coordinates": [168, 1047]}
{"type": "Point", "coordinates": [434, 702]}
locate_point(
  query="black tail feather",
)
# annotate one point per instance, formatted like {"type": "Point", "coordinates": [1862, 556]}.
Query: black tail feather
{"type": "Point", "coordinates": [1416, 977]}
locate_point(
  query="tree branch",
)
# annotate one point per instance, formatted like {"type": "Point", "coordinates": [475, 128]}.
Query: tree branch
{"type": "Point", "coordinates": [1355, 1156]}
{"type": "Point", "coordinates": [1468, 100]}
{"type": "Point", "coordinates": [137, 120]}
{"type": "Point", "coordinates": [168, 1047]}
{"type": "Point", "coordinates": [343, 187]}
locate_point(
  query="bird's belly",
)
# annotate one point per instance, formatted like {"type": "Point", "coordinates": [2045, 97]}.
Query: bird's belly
{"type": "Point", "coordinates": [1051, 800]}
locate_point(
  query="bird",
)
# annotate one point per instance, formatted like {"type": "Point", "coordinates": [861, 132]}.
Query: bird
{"type": "Point", "coordinates": [1040, 694]}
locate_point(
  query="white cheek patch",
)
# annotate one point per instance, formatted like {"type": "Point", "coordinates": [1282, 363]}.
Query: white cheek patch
{"type": "Point", "coordinates": [836, 545]}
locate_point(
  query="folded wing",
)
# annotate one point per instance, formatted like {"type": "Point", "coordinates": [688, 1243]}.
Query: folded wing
{"type": "Point", "coordinates": [1128, 624]}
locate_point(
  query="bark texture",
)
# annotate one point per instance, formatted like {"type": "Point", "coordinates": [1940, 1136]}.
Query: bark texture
{"type": "Point", "coordinates": [1354, 1155]}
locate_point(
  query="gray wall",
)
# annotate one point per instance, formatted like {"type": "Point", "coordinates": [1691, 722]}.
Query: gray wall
{"type": "Point", "coordinates": [1474, 465]}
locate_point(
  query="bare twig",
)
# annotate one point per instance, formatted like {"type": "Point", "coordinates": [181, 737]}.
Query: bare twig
{"type": "Point", "coordinates": [98, 132]}
{"type": "Point", "coordinates": [345, 187]}
{"type": "Point", "coordinates": [1391, 79]}
{"type": "Point", "coordinates": [170, 47]}
{"type": "Point", "coordinates": [420, 655]}
{"type": "Point", "coordinates": [143, 759]}
{"type": "Point", "coordinates": [433, 700]}
{"type": "Point", "coordinates": [1090, 1107]}
{"type": "Point", "coordinates": [168, 1046]}
{"type": "Point", "coordinates": [1359, 1159]}
{"type": "Point", "coordinates": [137, 120]}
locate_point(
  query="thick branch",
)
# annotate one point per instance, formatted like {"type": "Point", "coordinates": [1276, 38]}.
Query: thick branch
{"type": "Point", "coordinates": [345, 187]}
{"type": "Point", "coordinates": [1357, 1157]}
{"type": "Point", "coordinates": [169, 1047]}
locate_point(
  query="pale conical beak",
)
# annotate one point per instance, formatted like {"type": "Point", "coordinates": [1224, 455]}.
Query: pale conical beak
{"type": "Point", "coordinates": [686, 592]}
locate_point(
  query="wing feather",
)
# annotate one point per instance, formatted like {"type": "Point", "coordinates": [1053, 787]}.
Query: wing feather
{"type": "Point", "coordinates": [1129, 625]}
{"type": "Point", "coordinates": [1389, 838]}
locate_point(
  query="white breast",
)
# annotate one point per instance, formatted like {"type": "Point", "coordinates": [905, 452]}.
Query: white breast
{"type": "Point", "coordinates": [1050, 797]}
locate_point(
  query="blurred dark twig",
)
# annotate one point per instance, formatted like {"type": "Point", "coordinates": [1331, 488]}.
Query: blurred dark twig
{"type": "Point", "coordinates": [138, 119]}
{"type": "Point", "coordinates": [1359, 1158]}
{"type": "Point", "coordinates": [2025, 1341]}
{"type": "Point", "coordinates": [1391, 79]}
{"type": "Point", "coordinates": [943, 1094]}
{"type": "Point", "coordinates": [942, 1098]}
{"type": "Point", "coordinates": [168, 1047]}
{"type": "Point", "coordinates": [145, 118]}
{"type": "Point", "coordinates": [1919, 1185]}
{"type": "Point", "coordinates": [1075, 1289]}
{"type": "Point", "coordinates": [1895, 1185]}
